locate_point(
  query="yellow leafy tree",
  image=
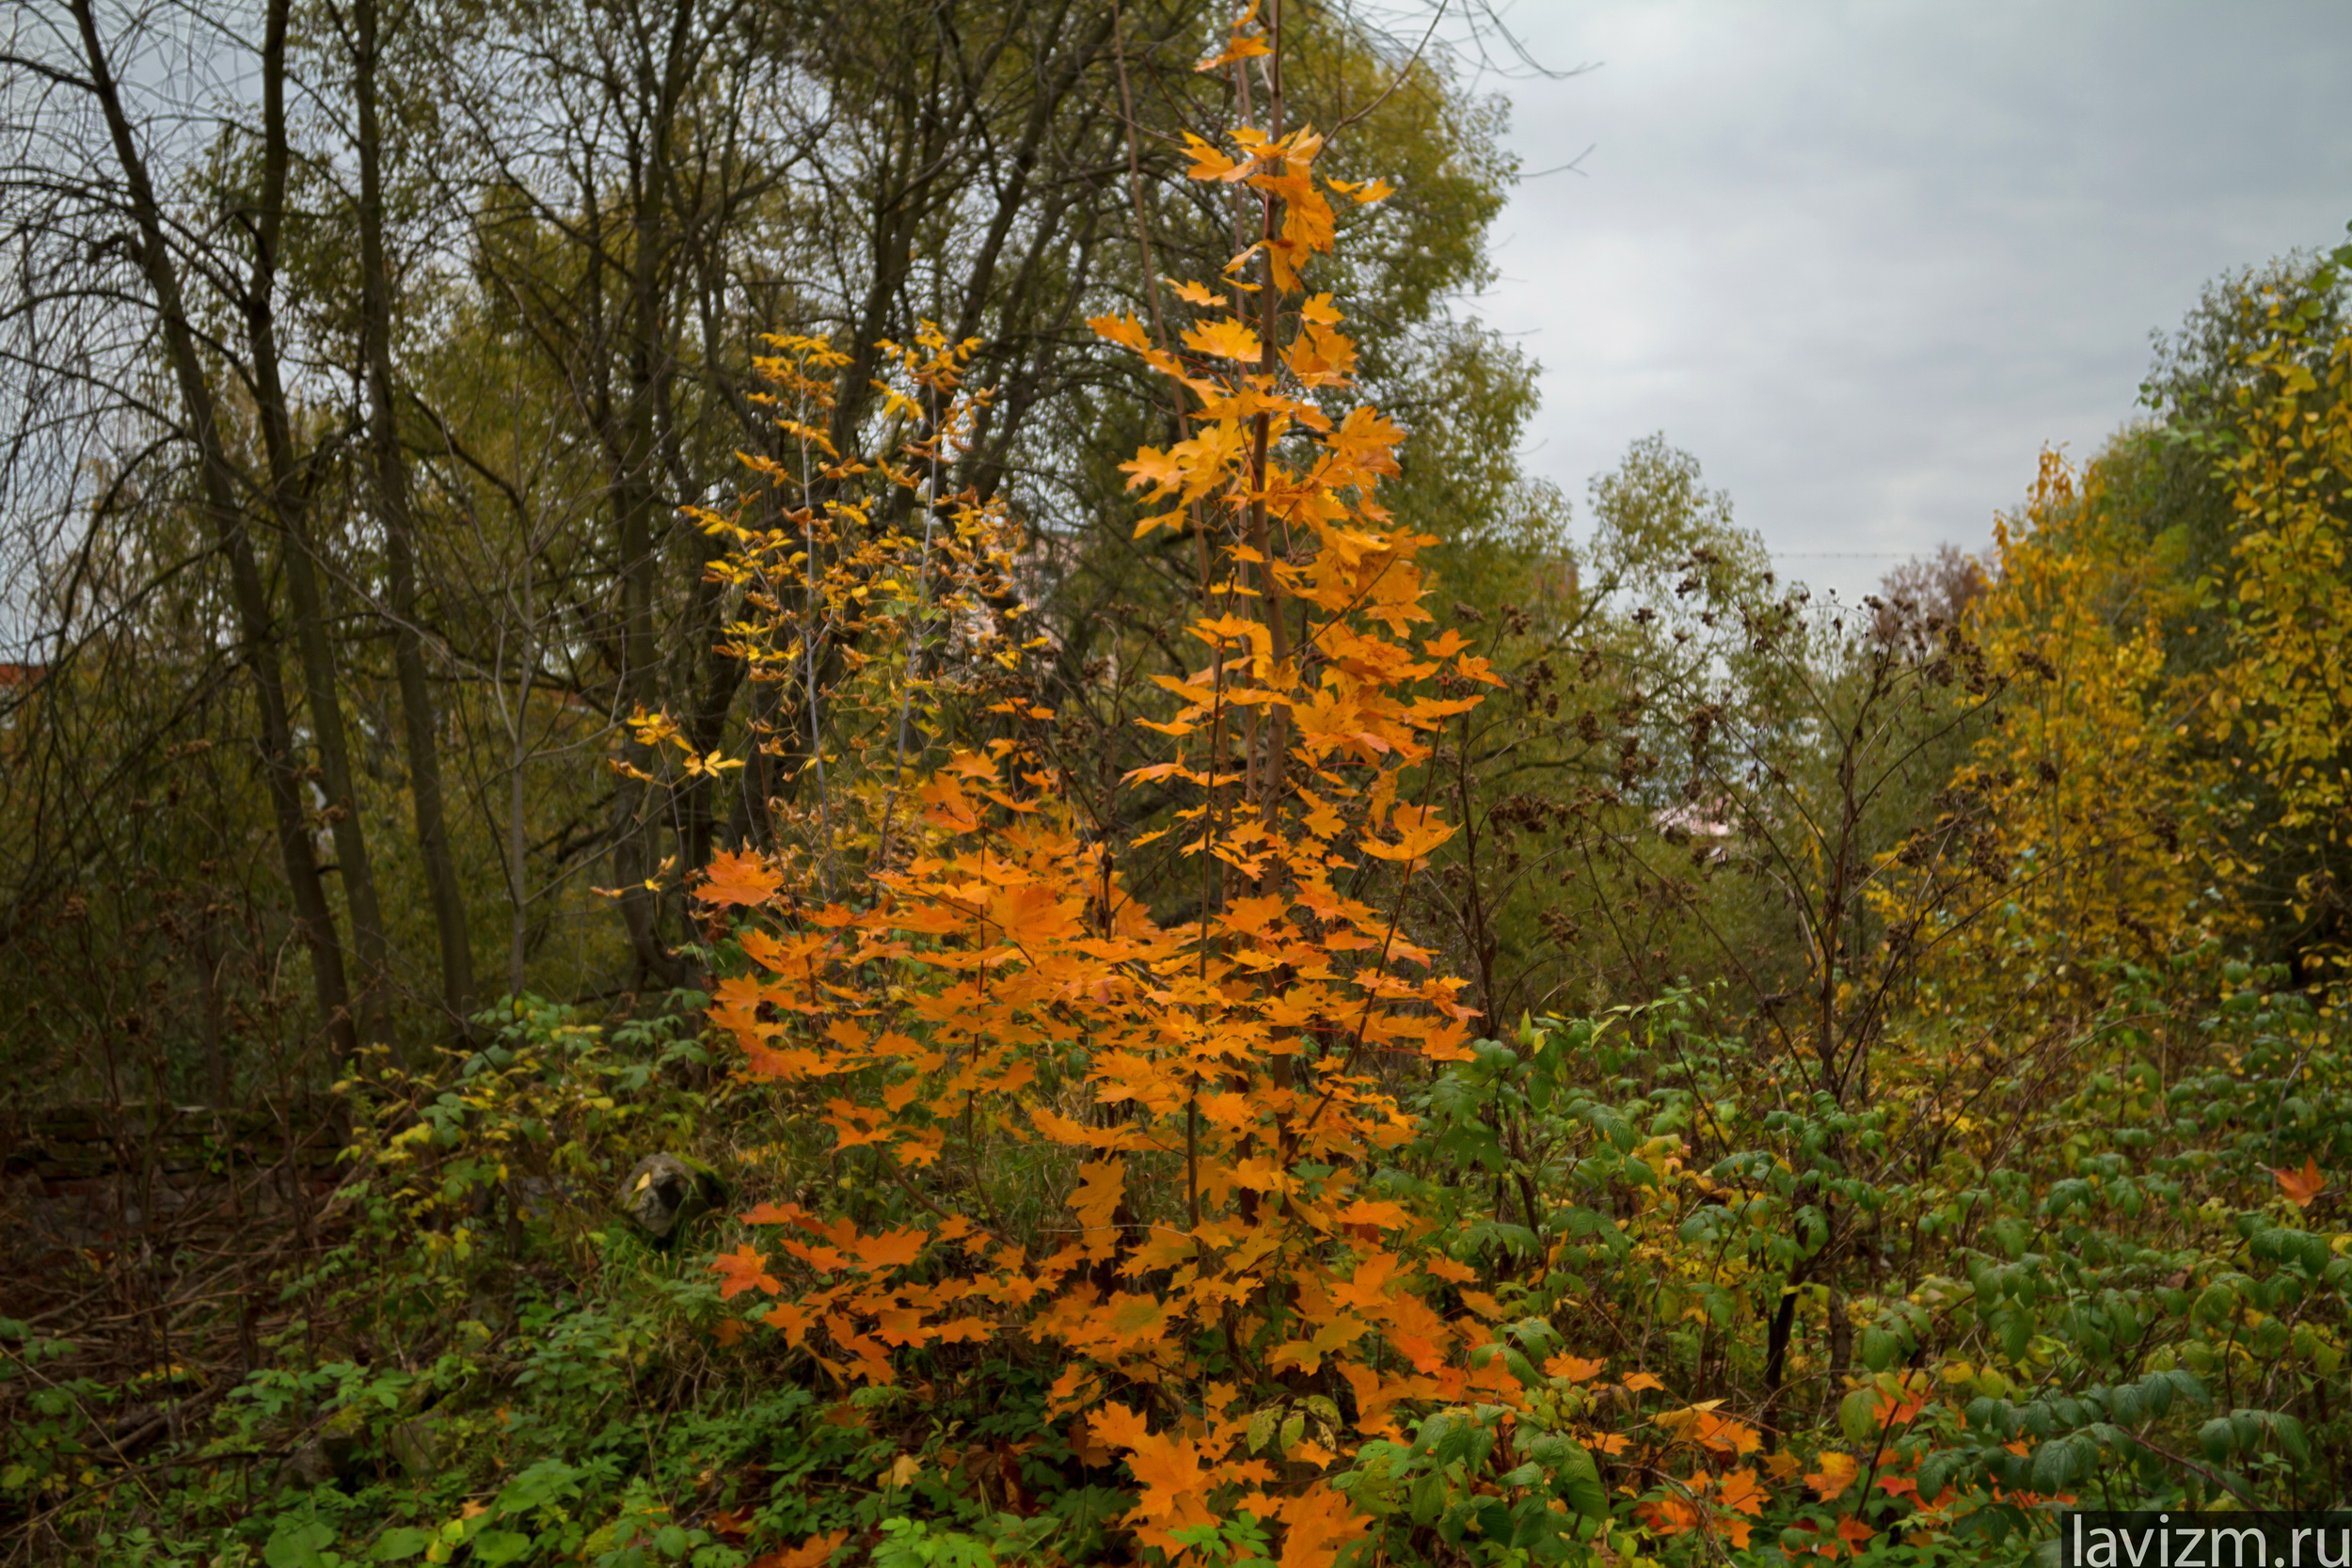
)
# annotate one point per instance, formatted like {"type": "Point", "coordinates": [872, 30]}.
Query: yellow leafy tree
{"type": "Point", "coordinates": [2140, 801]}
{"type": "Point", "coordinates": [2093, 791]}
{"type": "Point", "coordinates": [2285, 717]}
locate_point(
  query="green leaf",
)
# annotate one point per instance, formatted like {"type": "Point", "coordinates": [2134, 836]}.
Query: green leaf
{"type": "Point", "coordinates": [1857, 1415]}
{"type": "Point", "coordinates": [2215, 1304]}
{"type": "Point", "coordinates": [548, 1482]}
{"type": "Point", "coordinates": [2053, 1465]}
{"type": "Point", "coordinates": [1936, 1473]}
{"type": "Point", "coordinates": [399, 1543]}
{"type": "Point", "coordinates": [1428, 1498]}
{"type": "Point", "coordinates": [494, 1547]}
{"type": "Point", "coordinates": [1577, 1481]}
{"type": "Point", "coordinates": [2017, 1328]}
{"type": "Point", "coordinates": [297, 1544]}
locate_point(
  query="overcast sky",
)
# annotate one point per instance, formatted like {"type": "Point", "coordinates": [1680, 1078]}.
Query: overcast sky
{"type": "Point", "coordinates": [1864, 259]}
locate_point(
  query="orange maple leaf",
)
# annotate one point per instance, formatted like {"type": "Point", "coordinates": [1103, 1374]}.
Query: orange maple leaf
{"type": "Point", "coordinates": [2301, 1187]}
{"type": "Point", "coordinates": [1741, 1491]}
{"type": "Point", "coordinates": [1102, 1182]}
{"type": "Point", "coordinates": [889, 1250]}
{"type": "Point", "coordinates": [1418, 832]}
{"type": "Point", "coordinates": [1719, 1434]}
{"type": "Point", "coordinates": [1167, 1468]}
{"type": "Point", "coordinates": [1320, 1524]}
{"type": "Point", "coordinates": [739, 877]}
{"type": "Point", "coordinates": [1671, 1515]}
{"type": "Point", "coordinates": [744, 1269]}
{"type": "Point", "coordinates": [1892, 1411]}
{"type": "Point", "coordinates": [811, 1553]}
{"type": "Point", "coordinates": [1575, 1369]}
{"type": "Point", "coordinates": [1836, 1473]}
{"type": "Point", "coordinates": [1032, 914]}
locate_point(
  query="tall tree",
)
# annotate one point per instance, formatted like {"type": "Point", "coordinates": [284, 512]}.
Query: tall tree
{"type": "Point", "coordinates": [223, 506]}
{"type": "Point", "coordinates": [390, 471]}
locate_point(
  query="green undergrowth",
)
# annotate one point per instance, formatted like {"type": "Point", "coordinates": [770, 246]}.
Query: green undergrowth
{"type": "Point", "coordinates": [2104, 1295]}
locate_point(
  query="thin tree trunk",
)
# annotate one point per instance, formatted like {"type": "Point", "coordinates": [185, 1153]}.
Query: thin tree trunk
{"type": "Point", "coordinates": [217, 486]}
{"type": "Point", "coordinates": [1277, 741]}
{"type": "Point", "coordinates": [289, 501]}
{"type": "Point", "coordinates": [517, 719]}
{"type": "Point", "coordinates": [420, 731]}
{"type": "Point", "coordinates": [635, 502]}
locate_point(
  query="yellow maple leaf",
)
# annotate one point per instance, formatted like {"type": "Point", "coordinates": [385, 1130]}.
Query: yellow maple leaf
{"type": "Point", "coordinates": [1225, 340]}
{"type": "Point", "coordinates": [1125, 330]}
{"type": "Point", "coordinates": [1208, 163]}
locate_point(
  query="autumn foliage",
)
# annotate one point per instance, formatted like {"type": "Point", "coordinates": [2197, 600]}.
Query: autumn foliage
{"type": "Point", "coordinates": [1194, 972]}
{"type": "Point", "coordinates": [1203, 1155]}
{"type": "Point", "coordinates": [1214, 1085]}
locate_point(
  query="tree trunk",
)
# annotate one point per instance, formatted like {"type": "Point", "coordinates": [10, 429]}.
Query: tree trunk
{"type": "Point", "coordinates": [289, 502]}
{"type": "Point", "coordinates": [419, 729]}
{"type": "Point", "coordinates": [217, 483]}
{"type": "Point", "coordinates": [635, 502]}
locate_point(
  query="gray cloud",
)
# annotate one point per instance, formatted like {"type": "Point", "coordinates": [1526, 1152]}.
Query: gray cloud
{"type": "Point", "coordinates": [1864, 259]}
